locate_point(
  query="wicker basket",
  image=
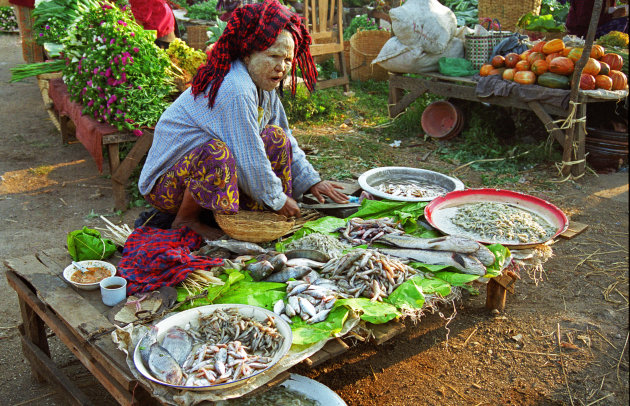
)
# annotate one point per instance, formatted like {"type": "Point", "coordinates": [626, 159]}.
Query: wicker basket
{"type": "Point", "coordinates": [508, 12]}
{"type": "Point", "coordinates": [197, 36]}
{"type": "Point", "coordinates": [254, 226]}
{"type": "Point", "coordinates": [364, 48]}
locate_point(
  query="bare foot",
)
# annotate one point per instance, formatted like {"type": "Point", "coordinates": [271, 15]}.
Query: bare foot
{"type": "Point", "coordinates": [206, 232]}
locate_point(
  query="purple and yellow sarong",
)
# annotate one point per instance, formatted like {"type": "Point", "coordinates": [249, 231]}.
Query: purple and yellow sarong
{"type": "Point", "coordinates": [209, 172]}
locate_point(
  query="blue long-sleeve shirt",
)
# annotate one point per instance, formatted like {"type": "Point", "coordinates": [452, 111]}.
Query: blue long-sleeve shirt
{"type": "Point", "coordinates": [235, 120]}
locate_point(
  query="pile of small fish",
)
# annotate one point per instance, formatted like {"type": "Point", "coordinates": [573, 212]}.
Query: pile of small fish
{"type": "Point", "coordinates": [502, 222]}
{"type": "Point", "coordinates": [312, 301]}
{"type": "Point", "coordinates": [359, 231]}
{"type": "Point", "coordinates": [320, 242]}
{"type": "Point", "coordinates": [463, 253]}
{"type": "Point", "coordinates": [411, 189]}
{"type": "Point", "coordinates": [225, 346]}
{"type": "Point", "coordinates": [367, 273]}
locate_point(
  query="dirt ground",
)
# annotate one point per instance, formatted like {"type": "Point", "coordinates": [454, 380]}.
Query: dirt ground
{"type": "Point", "coordinates": [562, 339]}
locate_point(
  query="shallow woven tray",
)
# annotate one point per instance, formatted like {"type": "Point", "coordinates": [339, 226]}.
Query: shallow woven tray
{"type": "Point", "coordinates": [254, 226]}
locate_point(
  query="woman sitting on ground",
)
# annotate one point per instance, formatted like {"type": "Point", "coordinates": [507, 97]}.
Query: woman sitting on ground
{"type": "Point", "coordinates": [225, 143]}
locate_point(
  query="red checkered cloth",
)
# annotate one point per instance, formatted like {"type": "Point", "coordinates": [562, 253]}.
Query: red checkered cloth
{"type": "Point", "coordinates": [254, 28]}
{"type": "Point", "coordinates": [153, 258]}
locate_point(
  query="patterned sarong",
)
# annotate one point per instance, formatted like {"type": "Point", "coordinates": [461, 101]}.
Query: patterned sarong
{"type": "Point", "coordinates": [209, 171]}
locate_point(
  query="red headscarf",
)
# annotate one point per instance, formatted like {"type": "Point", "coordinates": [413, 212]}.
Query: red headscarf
{"type": "Point", "coordinates": [254, 28]}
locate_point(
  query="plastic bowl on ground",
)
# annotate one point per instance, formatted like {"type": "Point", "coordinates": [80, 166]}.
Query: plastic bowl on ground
{"type": "Point", "coordinates": [71, 269]}
{"type": "Point", "coordinates": [439, 119]}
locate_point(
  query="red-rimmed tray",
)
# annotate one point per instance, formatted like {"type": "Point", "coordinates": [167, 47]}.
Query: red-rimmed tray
{"type": "Point", "coordinates": [437, 213]}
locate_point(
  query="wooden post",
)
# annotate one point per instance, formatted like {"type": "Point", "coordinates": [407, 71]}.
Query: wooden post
{"type": "Point", "coordinates": [574, 130]}
{"type": "Point", "coordinates": [497, 288]}
{"type": "Point", "coordinates": [35, 333]}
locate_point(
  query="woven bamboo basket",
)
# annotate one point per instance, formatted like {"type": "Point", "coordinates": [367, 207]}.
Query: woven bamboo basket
{"type": "Point", "coordinates": [364, 48]}
{"type": "Point", "coordinates": [197, 36]}
{"type": "Point", "coordinates": [508, 12]}
{"type": "Point", "coordinates": [254, 226]}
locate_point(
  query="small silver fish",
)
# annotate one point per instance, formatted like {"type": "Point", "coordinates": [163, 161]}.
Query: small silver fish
{"type": "Point", "coordinates": [278, 307]}
{"type": "Point", "coordinates": [307, 307]}
{"type": "Point", "coordinates": [295, 305]}
{"type": "Point", "coordinates": [321, 316]}
{"type": "Point", "coordinates": [314, 255]}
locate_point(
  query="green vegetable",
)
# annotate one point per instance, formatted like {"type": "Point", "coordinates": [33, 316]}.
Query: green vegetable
{"type": "Point", "coordinates": [206, 10]}
{"type": "Point", "coordinates": [541, 23]}
{"type": "Point", "coordinates": [359, 23]}
{"type": "Point", "coordinates": [86, 244]}
{"type": "Point", "coordinates": [24, 71]}
{"type": "Point", "coordinates": [554, 80]}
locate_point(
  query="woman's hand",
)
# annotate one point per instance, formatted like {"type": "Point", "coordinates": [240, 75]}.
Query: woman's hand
{"type": "Point", "coordinates": [329, 189]}
{"type": "Point", "coordinates": [290, 208]}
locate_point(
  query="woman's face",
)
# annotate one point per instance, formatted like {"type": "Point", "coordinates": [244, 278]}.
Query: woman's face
{"type": "Point", "coordinates": [267, 68]}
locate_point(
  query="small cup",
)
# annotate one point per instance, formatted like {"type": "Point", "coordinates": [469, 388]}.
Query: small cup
{"type": "Point", "coordinates": [113, 290]}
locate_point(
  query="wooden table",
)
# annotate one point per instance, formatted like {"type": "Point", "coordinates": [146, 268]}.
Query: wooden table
{"type": "Point", "coordinates": [78, 319]}
{"type": "Point", "coordinates": [403, 90]}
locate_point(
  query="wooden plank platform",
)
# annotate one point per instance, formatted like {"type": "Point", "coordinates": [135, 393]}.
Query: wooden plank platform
{"type": "Point", "coordinates": [573, 230]}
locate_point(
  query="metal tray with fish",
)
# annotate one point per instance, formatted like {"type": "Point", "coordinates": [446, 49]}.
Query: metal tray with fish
{"type": "Point", "coordinates": [537, 221]}
{"type": "Point", "coordinates": [193, 325]}
{"type": "Point", "coordinates": [407, 184]}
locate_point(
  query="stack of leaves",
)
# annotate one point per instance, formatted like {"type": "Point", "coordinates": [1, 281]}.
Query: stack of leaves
{"type": "Point", "coordinates": [115, 70]}
{"type": "Point", "coordinates": [8, 22]}
{"type": "Point", "coordinates": [53, 17]}
{"type": "Point", "coordinates": [466, 11]}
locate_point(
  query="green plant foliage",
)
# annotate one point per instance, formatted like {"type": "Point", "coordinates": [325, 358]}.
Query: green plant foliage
{"type": "Point", "coordinates": [359, 23]}
{"type": "Point", "coordinates": [206, 10]}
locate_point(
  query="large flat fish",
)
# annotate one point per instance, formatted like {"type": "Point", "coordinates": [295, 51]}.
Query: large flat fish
{"type": "Point", "coordinates": [163, 365]}
{"type": "Point", "coordinates": [447, 243]}
{"type": "Point", "coordinates": [237, 247]}
{"type": "Point", "coordinates": [464, 263]}
{"type": "Point", "coordinates": [178, 343]}
{"type": "Point", "coordinates": [260, 270]}
{"type": "Point", "coordinates": [145, 344]}
{"type": "Point", "coordinates": [294, 272]}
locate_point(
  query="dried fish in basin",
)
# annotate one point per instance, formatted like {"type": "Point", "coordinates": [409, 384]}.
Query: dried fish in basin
{"type": "Point", "coordinates": [324, 243]}
{"type": "Point", "coordinates": [501, 222]}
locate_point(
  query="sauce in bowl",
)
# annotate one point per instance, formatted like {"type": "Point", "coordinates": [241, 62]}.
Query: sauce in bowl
{"type": "Point", "coordinates": [95, 274]}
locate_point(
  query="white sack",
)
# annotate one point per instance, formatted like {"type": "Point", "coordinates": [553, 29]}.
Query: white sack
{"type": "Point", "coordinates": [424, 22]}
{"type": "Point", "coordinates": [396, 57]}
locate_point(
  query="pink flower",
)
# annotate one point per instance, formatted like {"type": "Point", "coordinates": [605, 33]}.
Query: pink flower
{"type": "Point", "coordinates": [135, 49]}
{"type": "Point", "coordinates": [112, 41]}
{"type": "Point", "coordinates": [133, 34]}
{"type": "Point", "coordinates": [108, 72]}
{"type": "Point", "coordinates": [137, 133]}
{"type": "Point", "coordinates": [121, 22]}
{"type": "Point", "coordinates": [123, 77]}
{"type": "Point", "coordinates": [91, 103]}
{"type": "Point", "coordinates": [140, 87]}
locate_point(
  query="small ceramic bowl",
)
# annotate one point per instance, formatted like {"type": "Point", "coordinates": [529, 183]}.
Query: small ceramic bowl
{"type": "Point", "coordinates": [71, 269]}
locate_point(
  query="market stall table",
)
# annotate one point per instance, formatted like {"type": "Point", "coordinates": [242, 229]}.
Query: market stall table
{"type": "Point", "coordinates": [95, 135]}
{"type": "Point", "coordinates": [78, 319]}
{"type": "Point", "coordinates": [573, 157]}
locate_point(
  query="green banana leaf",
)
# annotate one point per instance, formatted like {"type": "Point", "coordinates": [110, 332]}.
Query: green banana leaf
{"type": "Point", "coordinates": [306, 334]}
{"type": "Point", "coordinates": [86, 244]}
{"type": "Point", "coordinates": [372, 312]}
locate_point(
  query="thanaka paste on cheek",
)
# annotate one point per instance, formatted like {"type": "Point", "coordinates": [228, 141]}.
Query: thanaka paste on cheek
{"type": "Point", "coordinates": [267, 68]}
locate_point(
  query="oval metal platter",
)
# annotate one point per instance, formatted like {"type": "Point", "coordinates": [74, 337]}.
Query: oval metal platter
{"type": "Point", "coordinates": [435, 212]}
